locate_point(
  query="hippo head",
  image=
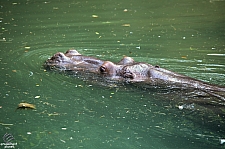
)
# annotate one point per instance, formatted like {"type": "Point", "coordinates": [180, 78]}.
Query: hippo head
{"type": "Point", "coordinates": [61, 61]}
{"type": "Point", "coordinates": [71, 60]}
{"type": "Point", "coordinates": [58, 61]}
{"type": "Point", "coordinates": [62, 58]}
{"type": "Point", "coordinates": [59, 58]}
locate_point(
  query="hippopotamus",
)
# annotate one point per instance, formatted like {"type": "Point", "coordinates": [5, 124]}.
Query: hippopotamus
{"type": "Point", "coordinates": [129, 71]}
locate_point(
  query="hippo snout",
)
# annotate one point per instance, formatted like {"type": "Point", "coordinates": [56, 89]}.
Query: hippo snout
{"type": "Point", "coordinates": [59, 57]}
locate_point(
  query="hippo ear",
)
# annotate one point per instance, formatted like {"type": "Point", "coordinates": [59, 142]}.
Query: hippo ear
{"type": "Point", "coordinates": [72, 52]}
{"type": "Point", "coordinates": [126, 61]}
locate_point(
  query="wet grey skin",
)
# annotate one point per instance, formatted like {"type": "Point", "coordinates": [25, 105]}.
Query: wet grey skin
{"type": "Point", "coordinates": [128, 70]}
{"type": "Point", "coordinates": [155, 76]}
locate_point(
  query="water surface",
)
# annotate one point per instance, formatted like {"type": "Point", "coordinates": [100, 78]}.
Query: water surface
{"type": "Point", "coordinates": [182, 36]}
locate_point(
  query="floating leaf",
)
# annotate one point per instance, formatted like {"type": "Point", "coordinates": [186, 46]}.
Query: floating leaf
{"type": "Point", "coordinates": [27, 47]}
{"type": "Point", "coordinates": [126, 25]}
{"type": "Point", "coordinates": [94, 16]}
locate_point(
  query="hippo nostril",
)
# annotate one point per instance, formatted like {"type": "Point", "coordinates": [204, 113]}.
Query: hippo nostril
{"type": "Point", "coordinates": [157, 66]}
{"type": "Point", "coordinates": [72, 53]}
{"type": "Point", "coordinates": [102, 69]}
{"type": "Point", "coordinates": [60, 55]}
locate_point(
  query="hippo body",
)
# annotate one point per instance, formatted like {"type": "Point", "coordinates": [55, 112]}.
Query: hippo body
{"type": "Point", "coordinates": [127, 70]}
{"type": "Point", "coordinates": [143, 72]}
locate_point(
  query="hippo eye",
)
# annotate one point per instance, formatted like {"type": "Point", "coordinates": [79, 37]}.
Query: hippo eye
{"type": "Point", "coordinates": [102, 69]}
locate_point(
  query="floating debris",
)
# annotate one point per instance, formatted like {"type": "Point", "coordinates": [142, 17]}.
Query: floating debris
{"type": "Point", "coordinates": [37, 97]}
{"type": "Point", "coordinates": [55, 8]}
{"type": "Point", "coordinates": [107, 22]}
{"type": "Point", "coordinates": [62, 141]}
{"type": "Point", "coordinates": [4, 124]}
{"type": "Point", "coordinates": [187, 106]}
{"type": "Point", "coordinates": [138, 47]}
{"type": "Point", "coordinates": [26, 106]}
{"type": "Point", "coordinates": [31, 74]}
{"type": "Point", "coordinates": [94, 16]}
{"type": "Point", "coordinates": [53, 114]}
{"type": "Point", "coordinates": [222, 141]}
{"type": "Point", "coordinates": [180, 107]}
{"type": "Point", "coordinates": [216, 54]}
{"type": "Point", "coordinates": [3, 39]}
{"type": "Point", "coordinates": [126, 25]}
{"type": "Point", "coordinates": [184, 57]}
{"type": "Point", "coordinates": [27, 48]}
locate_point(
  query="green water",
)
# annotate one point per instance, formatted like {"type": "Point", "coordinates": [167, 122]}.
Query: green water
{"type": "Point", "coordinates": [72, 113]}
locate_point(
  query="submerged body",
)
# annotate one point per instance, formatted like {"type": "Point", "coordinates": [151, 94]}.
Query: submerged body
{"type": "Point", "coordinates": [127, 70]}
